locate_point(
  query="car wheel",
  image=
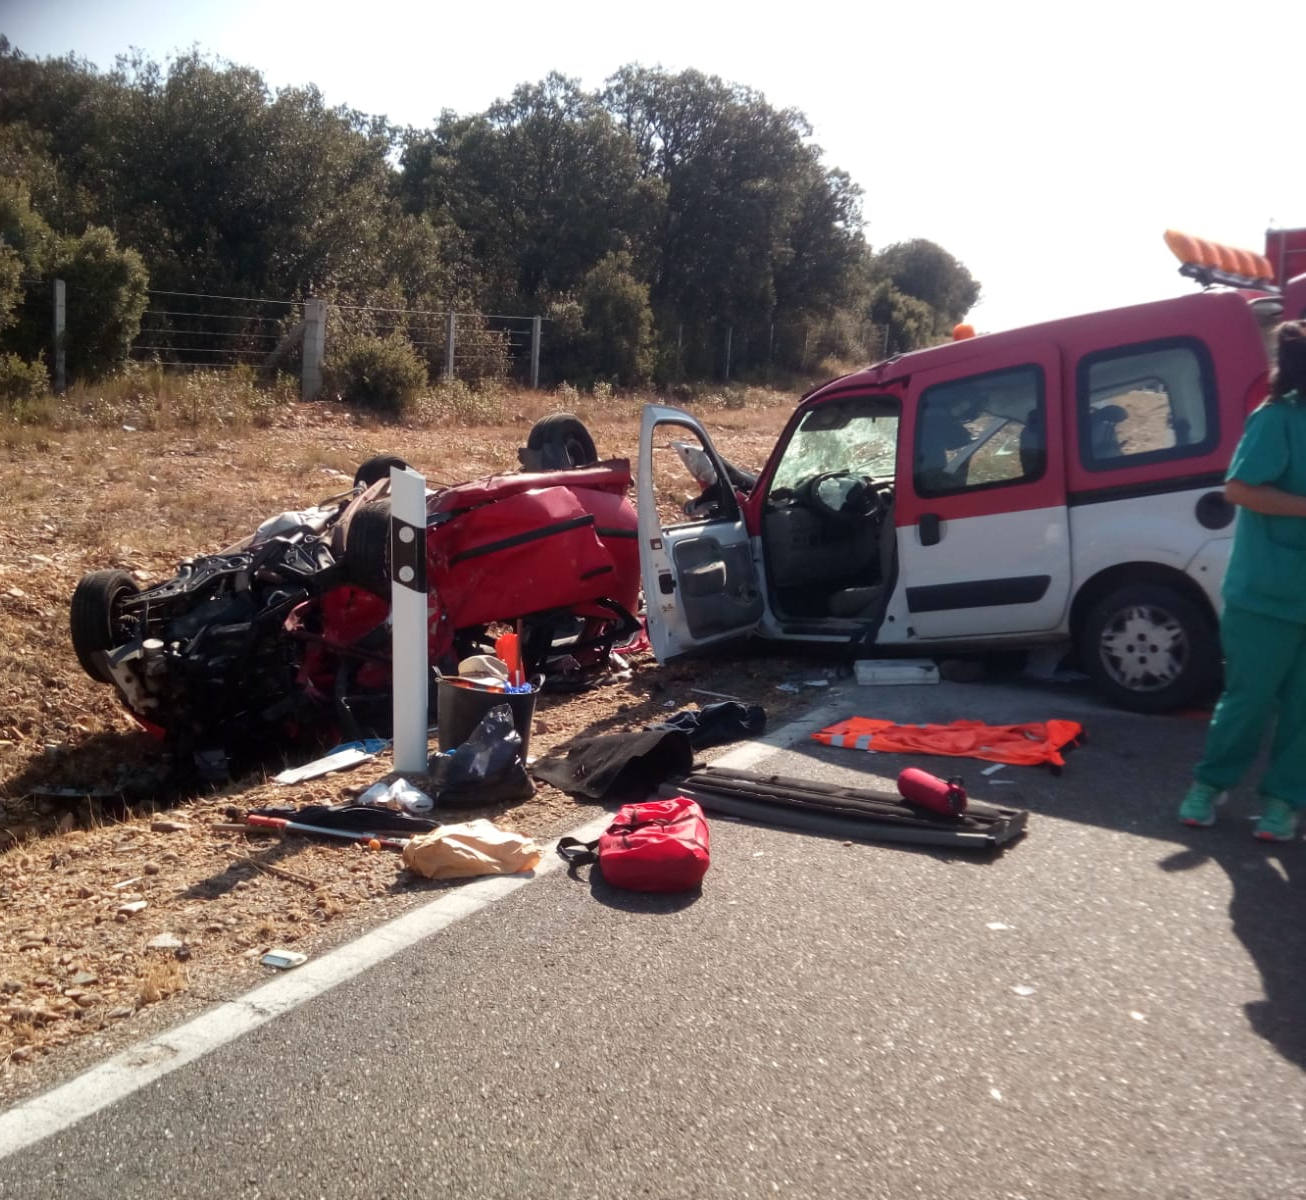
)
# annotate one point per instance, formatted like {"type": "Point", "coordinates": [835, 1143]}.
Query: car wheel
{"type": "Point", "coordinates": [367, 547]}
{"type": "Point", "coordinates": [562, 441]}
{"type": "Point", "coordinates": [1150, 648]}
{"type": "Point", "coordinates": [95, 619]}
{"type": "Point", "coordinates": [376, 468]}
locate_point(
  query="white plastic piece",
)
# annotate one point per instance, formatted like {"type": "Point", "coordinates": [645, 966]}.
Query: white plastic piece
{"type": "Point", "coordinates": [880, 671]}
{"type": "Point", "coordinates": [351, 756]}
{"type": "Point", "coordinates": [287, 522]}
{"type": "Point", "coordinates": [283, 960]}
{"type": "Point", "coordinates": [399, 795]}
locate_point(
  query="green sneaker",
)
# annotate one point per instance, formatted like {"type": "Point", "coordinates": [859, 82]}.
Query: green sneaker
{"type": "Point", "coordinates": [1198, 807]}
{"type": "Point", "coordinates": [1278, 821]}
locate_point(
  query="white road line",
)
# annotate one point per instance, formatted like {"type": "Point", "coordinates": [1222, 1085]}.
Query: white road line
{"type": "Point", "coordinates": [141, 1064]}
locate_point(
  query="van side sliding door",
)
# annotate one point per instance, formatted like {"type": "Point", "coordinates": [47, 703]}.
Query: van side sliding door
{"type": "Point", "coordinates": [983, 533]}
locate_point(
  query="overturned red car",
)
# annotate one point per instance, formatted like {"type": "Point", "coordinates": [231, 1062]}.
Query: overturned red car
{"type": "Point", "coordinates": [287, 633]}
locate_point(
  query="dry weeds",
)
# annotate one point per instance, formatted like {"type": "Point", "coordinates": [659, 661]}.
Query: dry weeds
{"type": "Point", "coordinates": [79, 497]}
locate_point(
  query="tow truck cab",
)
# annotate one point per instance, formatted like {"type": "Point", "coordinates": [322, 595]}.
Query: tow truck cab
{"type": "Point", "coordinates": [1057, 484]}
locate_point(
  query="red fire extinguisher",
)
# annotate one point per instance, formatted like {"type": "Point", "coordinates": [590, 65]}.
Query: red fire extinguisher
{"type": "Point", "coordinates": [945, 796]}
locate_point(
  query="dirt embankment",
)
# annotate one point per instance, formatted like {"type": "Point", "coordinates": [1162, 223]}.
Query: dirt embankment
{"type": "Point", "coordinates": [109, 907]}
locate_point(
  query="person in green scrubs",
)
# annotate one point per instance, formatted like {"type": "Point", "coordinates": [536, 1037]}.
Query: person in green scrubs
{"type": "Point", "coordinates": [1263, 627]}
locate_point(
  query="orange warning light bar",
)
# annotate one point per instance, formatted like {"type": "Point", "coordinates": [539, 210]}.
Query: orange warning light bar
{"type": "Point", "coordinates": [1211, 262]}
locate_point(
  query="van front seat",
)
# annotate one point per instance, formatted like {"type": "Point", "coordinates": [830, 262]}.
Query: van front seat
{"type": "Point", "coordinates": [861, 601]}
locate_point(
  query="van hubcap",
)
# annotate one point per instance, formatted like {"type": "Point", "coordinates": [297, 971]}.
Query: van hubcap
{"type": "Point", "coordinates": [1144, 649]}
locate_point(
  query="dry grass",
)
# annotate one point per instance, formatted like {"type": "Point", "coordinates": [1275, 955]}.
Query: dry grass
{"type": "Point", "coordinates": [160, 980]}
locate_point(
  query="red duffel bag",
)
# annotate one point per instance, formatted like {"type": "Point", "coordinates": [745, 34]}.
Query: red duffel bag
{"type": "Point", "coordinates": [656, 846]}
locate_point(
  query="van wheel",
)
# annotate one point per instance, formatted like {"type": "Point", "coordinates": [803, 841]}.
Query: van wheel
{"type": "Point", "coordinates": [1149, 648]}
{"type": "Point", "coordinates": [561, 441]}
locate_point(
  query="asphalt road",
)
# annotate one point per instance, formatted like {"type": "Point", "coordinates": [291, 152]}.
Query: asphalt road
{"type": "Point", "coordinates": [1111, 1007]}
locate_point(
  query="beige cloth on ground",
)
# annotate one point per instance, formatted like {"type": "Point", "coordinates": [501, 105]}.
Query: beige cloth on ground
{"type": "Point", "coordinates": [476, 847]}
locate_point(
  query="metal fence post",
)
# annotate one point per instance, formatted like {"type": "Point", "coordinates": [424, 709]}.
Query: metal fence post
{"type": "Point", "coordinates": [730, 334]}
{"type": "Point", "coordinates": [310, 382]}
{"type": "Point", "coordinates": [535, 352]}
{"type": "Point", "coordinates": [449, 339]}
{"type": "Point", "coordinates": [60, 338]}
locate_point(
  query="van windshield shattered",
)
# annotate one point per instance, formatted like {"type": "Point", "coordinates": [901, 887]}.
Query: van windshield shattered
{"type": "Point", "coordinates": [858, 435]}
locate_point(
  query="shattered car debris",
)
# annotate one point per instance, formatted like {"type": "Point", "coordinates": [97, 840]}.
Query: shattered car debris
{"type": "Point", "coordinates": [287, 632]}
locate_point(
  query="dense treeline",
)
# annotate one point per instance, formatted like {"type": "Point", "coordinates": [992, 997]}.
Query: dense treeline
{"type": "Point", "coordinates": [654, 222]}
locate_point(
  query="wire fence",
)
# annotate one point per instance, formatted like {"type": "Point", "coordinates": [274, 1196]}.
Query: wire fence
{"type": "Point", "coordinates": [183, 330]}
{"type": "Point", "coordinates": [199, 329]}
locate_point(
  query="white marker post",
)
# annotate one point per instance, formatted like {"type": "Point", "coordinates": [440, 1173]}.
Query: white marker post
{"type": "Point", "coordinates": [408, 634]}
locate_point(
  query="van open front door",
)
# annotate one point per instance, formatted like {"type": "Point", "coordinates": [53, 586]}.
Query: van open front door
{"type": "Point", "coordinates": [695, 557]}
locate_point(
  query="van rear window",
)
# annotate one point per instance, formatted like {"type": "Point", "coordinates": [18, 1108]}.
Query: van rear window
{"type": "Point", "coordinates": [1146, 403]}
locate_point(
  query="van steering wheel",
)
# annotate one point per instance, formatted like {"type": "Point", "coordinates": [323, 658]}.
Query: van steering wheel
{"type": "Point", "coordinates": [857, 499]}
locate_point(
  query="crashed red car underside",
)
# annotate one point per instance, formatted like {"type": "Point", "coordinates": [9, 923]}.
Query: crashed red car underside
{"type": "Point", "coordinates": [286, 634]}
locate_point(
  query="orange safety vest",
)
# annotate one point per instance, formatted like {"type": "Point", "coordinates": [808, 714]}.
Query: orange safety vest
{"type": "Point", "coordinates": [1021, 745]}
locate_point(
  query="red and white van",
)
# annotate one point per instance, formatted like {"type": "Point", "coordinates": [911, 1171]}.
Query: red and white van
{"type": "Point", "coordinates": [1058, 484]}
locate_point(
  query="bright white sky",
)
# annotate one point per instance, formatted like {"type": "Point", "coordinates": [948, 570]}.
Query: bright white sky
{"type": "Point", "coordinates": [1047, 146]}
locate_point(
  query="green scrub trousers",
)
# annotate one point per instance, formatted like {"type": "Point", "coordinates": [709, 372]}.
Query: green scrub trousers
{"type": "Point", "coordinates": [1264, 682]}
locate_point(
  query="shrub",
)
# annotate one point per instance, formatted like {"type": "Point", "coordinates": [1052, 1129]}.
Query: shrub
{"type": "Point", "coordinates": [105, 299]}
{"type": "Point", "coordinates": [11, 291]}
{"type": "Point", "coordinates": [482, 354]}
{"type": "Point", "coordinates": [618, 321]}
{"type": "Point", "coordinates": [23, 385]}
{"type": "Point", "coordinates": [381, 374]}
{"type": "Point", "coordinates": [455, 400]}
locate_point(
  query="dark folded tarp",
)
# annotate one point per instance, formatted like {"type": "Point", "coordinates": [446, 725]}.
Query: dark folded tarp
{"type": "Point", "coordinates": [717, 724]}
{"type": "Point", "coordinates": [619, 764]}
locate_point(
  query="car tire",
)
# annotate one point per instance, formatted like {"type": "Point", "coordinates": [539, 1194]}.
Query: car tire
{"type": "Point", "coordinates": [1150, 648]}
{"type": "Point", "coordinates": [562, 441]}
{"type": "Point", "coordinates": [376, 468]}
{"type": "Point", "coordinates": [95, 620]}
{"type": "Point", "coordinates": [367, 547]}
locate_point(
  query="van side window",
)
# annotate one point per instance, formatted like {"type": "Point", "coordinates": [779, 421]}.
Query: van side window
{"type": "Point", "coordinates": [981, 431]}
{"type": "Point", "coordinates": [1147, 403]}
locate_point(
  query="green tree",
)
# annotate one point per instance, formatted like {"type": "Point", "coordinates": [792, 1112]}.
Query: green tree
{"type": "Point", "coordinates": [544, 184]}
{"type": "Point", "coordinates": [928, 272]}
{"type": "Point", "coordinates": [907, 321]}
{"type": "Point", "coordinates": [753, 228]}
{"type": "Point", "coordinates": [11, 288]}
{"type": "Point", "coordinates": [106, 295]}
{"type": "Point", "coordinates": [618, 321]}
{"type": "Point", "coordinates": [23, 230]}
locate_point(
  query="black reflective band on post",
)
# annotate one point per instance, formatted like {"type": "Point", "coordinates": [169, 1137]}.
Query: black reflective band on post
{"type": "Point", "coordinates": [407, 555]}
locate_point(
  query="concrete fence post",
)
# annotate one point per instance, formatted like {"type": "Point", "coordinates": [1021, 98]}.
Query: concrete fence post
{"type": "Point", "coordinates": [536, 324]}
{"type": "Point", "coordinates": [60, 340]}
{"type": "Point", "coordinates": [310, 381]}
{"type": "Point", "coordinates": [450, 339]}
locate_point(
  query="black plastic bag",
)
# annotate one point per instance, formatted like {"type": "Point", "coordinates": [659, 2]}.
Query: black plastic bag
{"type": "Point", "coordinates": [486, 769]}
